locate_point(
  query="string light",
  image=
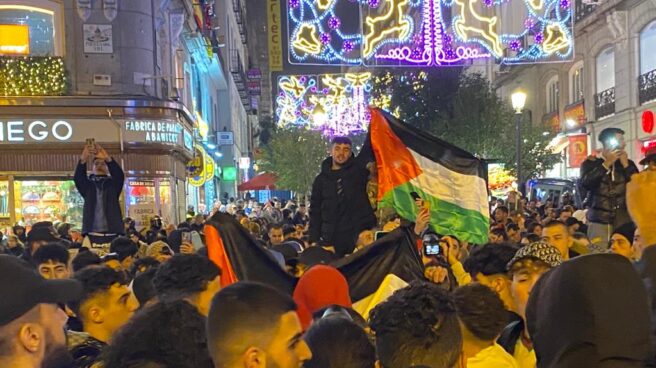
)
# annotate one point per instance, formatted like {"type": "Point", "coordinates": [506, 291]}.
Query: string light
{"type": "Point", "coordinates": [416, 33]}
{"type": "Point", "coordinates": [32, 76]}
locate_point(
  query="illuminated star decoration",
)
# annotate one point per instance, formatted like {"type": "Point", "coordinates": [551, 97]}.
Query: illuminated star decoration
{"type": "Point", "coordinates": [343, 100]}
{"type": "Point", "coordinates": [415, 32]}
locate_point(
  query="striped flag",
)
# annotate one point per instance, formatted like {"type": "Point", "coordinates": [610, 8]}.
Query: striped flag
{"type": "Point", "coordinates": [450, 180]}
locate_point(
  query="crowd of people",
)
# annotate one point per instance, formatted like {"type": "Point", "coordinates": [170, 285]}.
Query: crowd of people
{"type": "Point", "coordinates": [556, 286]}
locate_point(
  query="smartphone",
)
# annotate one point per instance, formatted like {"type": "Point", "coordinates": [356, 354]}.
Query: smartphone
{"type": "Point", "coordinates": [380, 234]}
{"type": "Point", "coordinates": [416, 197]}
{"type": "Point", "coordinates": [91, 143]}
{"type": "Point", "coordinates": [186, 237]}
{"type": "Point", "coordinates": [613, 143]}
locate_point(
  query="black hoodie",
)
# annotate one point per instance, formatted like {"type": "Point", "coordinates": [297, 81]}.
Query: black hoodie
{"type": "Point", "coordinates": [590, 312]}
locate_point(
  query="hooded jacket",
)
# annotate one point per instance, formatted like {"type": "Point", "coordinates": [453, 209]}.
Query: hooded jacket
{"type": "Point", "coordinates": [330, 212]}
{"type": "Point", "coordinates": [590, 312]}
{"type": "Point", "coordinates": [113, 186]}
{"type": "Point", "coordinates": [607, 192]}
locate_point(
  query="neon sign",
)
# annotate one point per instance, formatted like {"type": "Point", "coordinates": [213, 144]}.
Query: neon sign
{"type": "Point", "coordinates": [335, 104]}
{"type": "Point", "coordinates": [427, 32]}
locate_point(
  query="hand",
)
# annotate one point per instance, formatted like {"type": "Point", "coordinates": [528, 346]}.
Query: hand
{"type": "Point", "coordinates": [85, 155]}
{"type": "Point", "coordinates": [450, 249]}
{"type": "Point", "coordinates": [640, 199]}
{"type": "Point", "coordinates": [186, 248]}
{"type": "Point", "coordinates": [610, 158]}
{"type": "Point", "coordinates": [624, 159]}
{"type": "Point", "coordinates": [423, 218]}
{"type": "Point", "coordinates": [436, 274]}
{"type": "Point", "coordinates": [102, 154]}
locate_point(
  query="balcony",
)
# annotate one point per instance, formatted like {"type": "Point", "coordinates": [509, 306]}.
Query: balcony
{"type": "Point", "coordinates": [582, 10]}
{"type": "Point", "coordinates": [237, 70]}
{"type": "Point", "coordinates": [647, 87]}
{"type": "Point", "coordinates": [605, 103]}
{"type": "Point", "coordinates": [32, 76]}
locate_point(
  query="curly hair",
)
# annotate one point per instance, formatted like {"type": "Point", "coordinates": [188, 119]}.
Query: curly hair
{"type": "Point", "coordinates": [179, 342]}
{"type": "Point", "coordinates": [326, 340]}
{"type": "Point", "coordinates": [481, 311]}
{"type": "Point", "coordinates": [124, 247]}
{"type": "Point", "coordinates": [51, 252]}
{"type": "Point", "coordinates": [417, 325]}
{"type": "Point", "coordinates": [184, 274]}
{"type": "Point", "coordinates": [95, 280]}
{"type": "Point", "coordinates": [490, 259]}
{"type": "Point", "coordinates": [85, 258]}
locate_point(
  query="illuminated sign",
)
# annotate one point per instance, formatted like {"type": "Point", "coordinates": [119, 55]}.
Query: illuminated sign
{"type": "Point", "coordinates": [14, 39]}
{"type": "Point", "coordinates": [35, 131]}
{"type": "Point", "coordinates": [155, 131]}
{"type": "Point", "coordinates": [244, 163]}
{"type": "Point", "coordinates": [428, 32]}
{"type": "Point", "coordinates": [229, 173]}
{"type": "Point", "coordinates": [335, 104]}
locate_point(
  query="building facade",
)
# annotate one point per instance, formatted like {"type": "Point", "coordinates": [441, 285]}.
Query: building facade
{"type": "Point", "coordinates": [610, 82]}
{"type": "Point", "coordinates": [146, 79]}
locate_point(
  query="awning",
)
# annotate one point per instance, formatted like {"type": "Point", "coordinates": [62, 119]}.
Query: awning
{"type": "Point", "coordinates": [266, 181]}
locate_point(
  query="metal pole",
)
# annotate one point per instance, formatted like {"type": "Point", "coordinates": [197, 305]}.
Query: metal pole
{"type": "Point", "coordinates": [518, 149]}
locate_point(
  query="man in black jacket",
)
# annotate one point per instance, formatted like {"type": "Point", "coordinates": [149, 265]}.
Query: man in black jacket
{"type": "Point", "coordinates": [102, 218]}
{"type": "Point", "coordinates": [606, 180]}
{"type": "Point", "coordinates": [339, 206]}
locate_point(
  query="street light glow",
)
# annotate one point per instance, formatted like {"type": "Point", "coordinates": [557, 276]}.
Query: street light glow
{"type": "Point", "coordinates": [518, 100]}
{"type": "Point", "coordinates": [319, 116]}
{"type": "Point", "coordinates": [571, 123]}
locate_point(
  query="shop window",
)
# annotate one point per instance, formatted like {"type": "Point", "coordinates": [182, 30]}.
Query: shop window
{"type": "Point", "coordinates": [33, 27]}
{"type": "Point", "coordinates": [576, 83]}
{"type": "Point", "coordinates": [141, 192]}
{"type": "Point", "coordinates": [4, 200]}
{"type": "Point", "coordinates": [47, 200]}
{"type": "Point", "coordinates": [647, 47]}
{"type": "Point", "coordinates": [605, 69]}
{"type": "Point", "coordinates": [553, 94]}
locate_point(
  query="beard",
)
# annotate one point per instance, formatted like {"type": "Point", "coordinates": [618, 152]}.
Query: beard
{"type": "Point", "coordinates": [56, 355]}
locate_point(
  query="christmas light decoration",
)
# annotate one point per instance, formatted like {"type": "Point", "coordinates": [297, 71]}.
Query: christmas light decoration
{"type": "Point", "coordinates": [32, 76]}
{"type": "Point", "coordinates": [417, 33]}
{"type": "Point", "coordinates": [335, 104]}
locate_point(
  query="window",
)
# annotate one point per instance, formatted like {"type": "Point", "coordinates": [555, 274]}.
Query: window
{"type": "Point", "coordinates": [553, 94]}
{"type": "Point", "coordinates": [605, 65]}
{"type": "Point", "coordinates": [576, 83]}
{"type": "Point", "coordinates": [647, 46]}
{"type": "Point", "coordinates": [33, 27]}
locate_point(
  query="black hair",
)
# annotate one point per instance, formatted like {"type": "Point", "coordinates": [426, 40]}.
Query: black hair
{"type": "Point", "coordinates": [326, 339]}
{"type": "Point", "coordinates": [274, 226]}
{"type": "Point", "coordinates": [490, 259]}
{"type": "Point", "coordinates": [124, 247]}
{"type": "Point", "coordinates": [481, 311]}
{"type": "Point", "coordinates": [143, 286]}
{"type": "Point", "coordinates": [63, 229]}
{"type": "Point", "coordinates": [417, 325]}
{"type": "Point", "coordinates": [502, 208]}
{"type": "Point", "coordinates": [244, 314]}
{"type": "Point", "coordinates": [500, 232]}
{"type": "Point", "coordinates": [582, 236]}
{"type": "Point", "coordinates": [555, 223]}
{"type": "Point", "coordinates": [288, 229]}
{"type": "Point", "coordinates": [532, 238]}
{"type": "Point", "coordinates": [531, 227]}
{"type": "Point", "coordinates": [171, 334]}
{"type": "Point", "coordinates": [95, 280]}
{"type": "Point", "coordinates": [609, 133]}
{"type": "Point", "coordinates": [51, 252]}
{"type": "Point", "coordinates": [184, 274]}
{"type": "Point", "coordinates": [342, 140]}
{"type": "Point", "coordinates": [512, 226]}
{"type": "Point", "coordinates": [85, 258]}
{"type": "Point", "coordinates": [147, 263]}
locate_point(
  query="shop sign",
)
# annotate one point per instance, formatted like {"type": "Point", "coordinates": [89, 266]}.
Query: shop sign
{"type": "Point", "coordinates": [207, 168]}
{"type": "Point", "coordinates": [254, 74]}
{"type": "Point", "coordinates": [225, 139]}
{"type": "Point", "coordinates": [275, 36]}
{"type": "Point", "coordinates": [14, 39]}
{"type": "Point", "coordinates": [552, 121]}
{"type": "Point", "coordinates": [98, 39]}
{"type": "Point", "coordinates": [142, 213]}
{"type": "Point", "coordinates": [14, 131]}
{"type": "Point", "coordinates": [244, 163]}
{"type": "Point", "coordinates": [157, 131]}
{"type": "Point", "coordinates": [578, 149]}
{"type": "Point", "coordinates": [575, 113]}
{"type": "Point", "coordinates": [188, 140]}
{"type": "Point", "coordinates": [229, 173]}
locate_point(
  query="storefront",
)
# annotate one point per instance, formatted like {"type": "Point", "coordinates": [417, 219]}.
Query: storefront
{"type": "Point", "coordinates": [41, 140]}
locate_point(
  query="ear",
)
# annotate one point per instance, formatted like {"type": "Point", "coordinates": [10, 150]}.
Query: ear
{"type": "Point", "coordinates": [30, 337]}
{"type": "Point", "coordinates": [254, 358]}
{"type": "Point", "coordinates": [96, 314]}
{"type": "Point", "coordinates": [499, 284]}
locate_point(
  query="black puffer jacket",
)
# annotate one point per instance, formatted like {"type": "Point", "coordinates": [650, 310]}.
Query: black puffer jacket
{"type": "Point", "coordinates": [350, 211]}
{"type": "Point", "coordinates": [113, 187]}
{"type": "Point", "coordinates": [608, 196]}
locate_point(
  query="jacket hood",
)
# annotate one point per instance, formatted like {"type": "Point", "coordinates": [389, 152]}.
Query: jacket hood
{"type": "Point", "coordinates": [319, 287]}
{"type": "Point", "coordinates": [591, 311]}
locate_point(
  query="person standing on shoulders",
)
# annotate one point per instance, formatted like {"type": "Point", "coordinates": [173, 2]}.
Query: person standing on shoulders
{"type": "Point", "coordinates": [102, 219]}
{"type": "Point", "coordinates": [606, 180]}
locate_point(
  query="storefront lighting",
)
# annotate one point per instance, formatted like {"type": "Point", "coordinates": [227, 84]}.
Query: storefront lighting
{"type": "Point", "coordinates": [32, 76]}
{"type": "Point", "coordinates": [218, 154]}
{"type": "Point", "coordinates": [571, 123]}
{"type": "Point", "coordinates": [211, 146]}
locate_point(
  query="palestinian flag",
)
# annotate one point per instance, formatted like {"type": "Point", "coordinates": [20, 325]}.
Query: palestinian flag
{"type": "Point", "coordinates": [375, 272]}
{"type": "Point", "coordinates": [231, 247]}
{"type": "Point", "coordinates": [448, 178]}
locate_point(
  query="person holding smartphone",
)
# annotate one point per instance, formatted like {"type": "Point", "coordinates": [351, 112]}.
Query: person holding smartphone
{"type": "Point", "coordinates": [606, 179]}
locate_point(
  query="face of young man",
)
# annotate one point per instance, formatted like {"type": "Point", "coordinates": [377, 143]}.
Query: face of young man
{"type": "Point", "coordinates": [621, 245]}
{"type": "Point", "coordinates": [100, 167]}
{"type": "Point", "coordinates": [287, 348]}
{"type": "Point", "coordinates": [341, 153]}
{"type": "Point", "coordinates": [500, 216]}
{"type": "Point", "coordinates": [523, 280]}
{"type": "Point", "coordinates": [514, 236]}
{"type": "Point", "coordinates": [559, 238]}
{"type": "Point", "coordinates": [54, 270]}
{"type": "Point", "coordinates": [276, 236]}
{"type": "Point", "coordinates": [113, 308]}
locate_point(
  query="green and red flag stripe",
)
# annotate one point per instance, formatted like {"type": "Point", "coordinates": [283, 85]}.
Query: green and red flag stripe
{"type": "Point", "coordinates": [450, 179]}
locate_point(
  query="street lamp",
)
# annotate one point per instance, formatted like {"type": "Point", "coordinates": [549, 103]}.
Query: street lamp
{"type": "Point", "coordinates": [518, 101]}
